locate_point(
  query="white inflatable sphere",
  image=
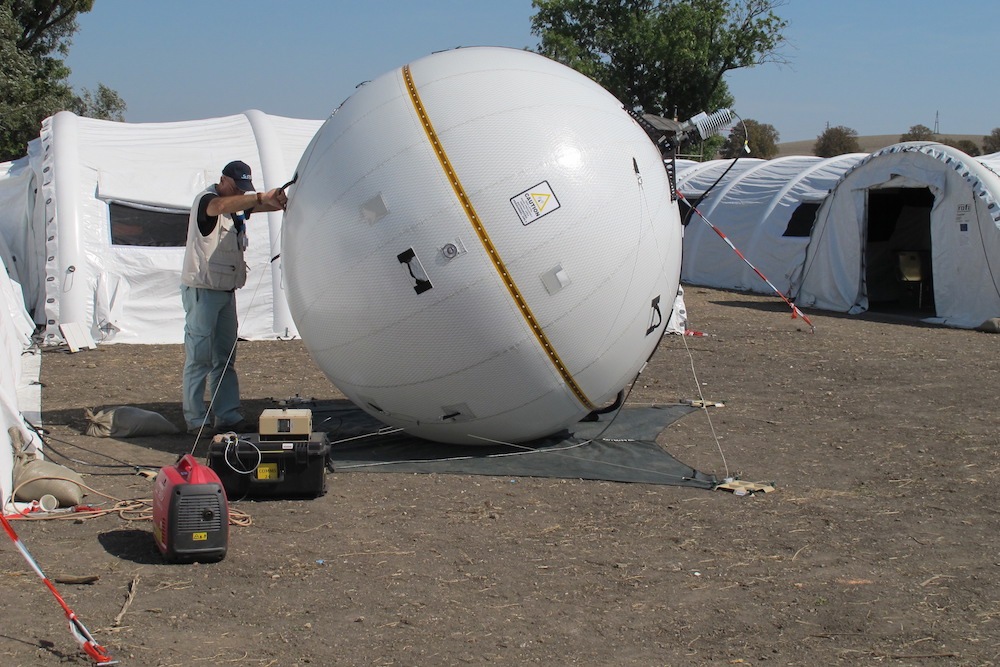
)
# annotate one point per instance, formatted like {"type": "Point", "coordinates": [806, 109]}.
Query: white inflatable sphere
{"type": "Point", "coordinates": [481, 246]}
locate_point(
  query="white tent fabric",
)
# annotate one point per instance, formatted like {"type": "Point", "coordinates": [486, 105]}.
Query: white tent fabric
{"type": "Point", "coordinates": [15, 338]}
{"type": "Point", "coordinates": [56, 243]}
{"type": "Point", "coordinates": [81, 167]}
{"type": "Point", "coordinates": [752, 205]}
{"type": "Point", "coordinates": [16, 326]}
{"type": "Point", "coordinates": [17, 200]}
{"type": "Point", "coordinates": [957, 229]}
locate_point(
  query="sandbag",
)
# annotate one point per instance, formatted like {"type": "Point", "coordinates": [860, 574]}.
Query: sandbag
{"type": "Point", "coordinates": [127, 422]}
{"type": "Point", "coordinates": [991, 325]}
{"type": "Point", "coordinates": [35, 477]}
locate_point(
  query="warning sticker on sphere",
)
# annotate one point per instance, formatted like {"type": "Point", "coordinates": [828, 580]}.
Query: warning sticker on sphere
{"type": "Point", "coordinates": [535, 202]}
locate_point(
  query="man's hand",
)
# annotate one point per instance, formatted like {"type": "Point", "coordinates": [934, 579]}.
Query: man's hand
{"type": "Point", "coordinates": [273, 200]}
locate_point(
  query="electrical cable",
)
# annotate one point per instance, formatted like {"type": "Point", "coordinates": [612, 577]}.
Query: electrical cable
{"type": "Point", "coordinates": [135, 509]}
{"type": "Point", "coordinates": [700, 198]}
{"type": "Point", "coordinates": [524, 450]}
{"type": "Point", "coordinates": [232, 351]}
{"type": "Point", "coordinates": [232, 445]}
{"type": "Point", "coordinates": [620, 400]}
{"type": "Point", "coordinates": [604, 430]}
{"type": "Point", "coordinates": [386, 430]}
{"type": "Point", "coordinates": [48, 439]}
{"type": "Point", "coordinates": [229, 359]}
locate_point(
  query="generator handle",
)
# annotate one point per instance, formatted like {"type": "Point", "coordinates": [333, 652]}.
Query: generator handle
{"type": "Point", "coordinates": [186, 465]}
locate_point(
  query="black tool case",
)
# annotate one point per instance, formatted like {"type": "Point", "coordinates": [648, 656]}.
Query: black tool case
{"type": "Point", "coordinates": [250, 468]}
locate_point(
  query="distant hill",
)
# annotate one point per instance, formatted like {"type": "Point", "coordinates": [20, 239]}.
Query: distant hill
{"type": "Point", "coordinates": [868, 144]}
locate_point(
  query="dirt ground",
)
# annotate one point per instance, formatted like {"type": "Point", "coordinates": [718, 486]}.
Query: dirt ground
{"type": "Point", "coordinates": [879, 545]}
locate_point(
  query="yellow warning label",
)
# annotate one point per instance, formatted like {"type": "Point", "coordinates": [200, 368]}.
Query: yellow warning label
{"type": "Point", "coordinates": [541, 199]}
{"type": "Point", "coordinates": [267, 471]}
{"type": "Point", "coordinates": [534, 202]}
{"type": "Point", "coordinates": [199, 537]}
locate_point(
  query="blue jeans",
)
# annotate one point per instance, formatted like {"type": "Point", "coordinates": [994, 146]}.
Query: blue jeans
{"type": "Point", "coordinates": [210, 327]}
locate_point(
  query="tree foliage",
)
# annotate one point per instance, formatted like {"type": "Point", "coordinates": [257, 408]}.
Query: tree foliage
{"type": "Point", "coordinates": [760, 138]}
{"type": "Point", "coordinates": [665, 57]}
{"type": "Point", "coordinates": [991, 142]}
{"type": "Point", "coordinates": [967, 146]}
{"type": "Point", "coordinates": [836, 141]}
{"type": "Point", "coordinates": [35, 35]}
{"type": "Point", "coordinates": [103, 103]}
{"type": "Point", "coordinates": [46, 26]}
{"type": "Point", "coordinates": [918, 133]}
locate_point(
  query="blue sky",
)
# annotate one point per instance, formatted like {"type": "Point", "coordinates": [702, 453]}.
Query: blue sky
{"type": "Point", "coordinates": [878, 66]}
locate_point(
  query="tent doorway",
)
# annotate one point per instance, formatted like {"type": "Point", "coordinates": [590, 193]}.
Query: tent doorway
{"type": "Point", "coordinates": [898, 272]}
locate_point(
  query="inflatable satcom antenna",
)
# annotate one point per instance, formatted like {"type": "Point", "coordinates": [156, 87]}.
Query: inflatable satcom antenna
{"type": "Point", "coordinates": [669, 135]}
{"type": "Point", "coordinates": [492, 269]}
{"type": "Point", "coordinates": [706, 126]}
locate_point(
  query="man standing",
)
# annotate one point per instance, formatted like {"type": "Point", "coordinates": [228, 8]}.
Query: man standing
{"type": "Point", "coordinates": [213, 270]}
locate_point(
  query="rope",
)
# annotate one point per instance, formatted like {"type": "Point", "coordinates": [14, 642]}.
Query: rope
{"type": "Point", "coordinates": [704, 406]}
{"type": "Point", "coordinates": [135, 509]}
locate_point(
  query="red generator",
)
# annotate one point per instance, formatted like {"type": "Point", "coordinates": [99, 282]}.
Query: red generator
{"type": "Point", "coordinates": [190, 513]}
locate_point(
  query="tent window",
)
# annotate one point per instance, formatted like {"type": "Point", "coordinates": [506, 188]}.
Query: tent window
{"type": "Point", "coordinates": [802, 220]}
{"type": "Point", "coordinates": [146, 226]}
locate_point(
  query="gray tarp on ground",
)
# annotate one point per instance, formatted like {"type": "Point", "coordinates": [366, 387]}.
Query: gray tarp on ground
{"type": "Point", "coordinates": [624, 449]}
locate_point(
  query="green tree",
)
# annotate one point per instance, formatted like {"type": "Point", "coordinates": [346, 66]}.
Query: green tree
{"type": "Point", "coordinates": [919, 133]}
{"type": "Point", "coordinates": [27, 91]}
{"type": "Point", "coordinates": [103, 103]}
{"type": "Point", "coordinates": [967, 146]}
{"type": "Point", "coordinates": [707, 149]}
{"type": "Point", "coordinates": [35, 35]}
{"type": "Point", "coordinates": [760, 138]}
{"type": "Point", "coordinates": [665, 57]}
{"type": "Point", "coordinates": [991, 142]}
{"type": "Point", "coordinates": [836, 141]}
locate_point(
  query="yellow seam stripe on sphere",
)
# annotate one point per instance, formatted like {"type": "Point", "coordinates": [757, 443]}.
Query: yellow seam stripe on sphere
{"type": "Point", "coordinates": [491, 250]}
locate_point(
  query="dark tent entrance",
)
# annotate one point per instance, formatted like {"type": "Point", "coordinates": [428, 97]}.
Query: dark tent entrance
{"type": "Point", "coordinates": [898, 271]}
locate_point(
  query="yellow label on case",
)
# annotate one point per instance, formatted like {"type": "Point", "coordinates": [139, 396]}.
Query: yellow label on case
{"type": "Point", "coordinates": [199, 537]}
{"type": "Point", "coordinates": [267, 471]}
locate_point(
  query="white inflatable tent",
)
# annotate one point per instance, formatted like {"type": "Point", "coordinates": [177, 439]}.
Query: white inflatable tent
{"type": "Point", "coordinates": [16, 397]}
{"type": "Point", "coordinates": [17, 198]}
{"type": "Point", "coordinates": [765, 207]}
{"type": "Point", "coordinates": [103, 211]}
{"type": "Point", "coordinates": [19, 399]}
{"type": "Point", "coordinates": [914, 225]}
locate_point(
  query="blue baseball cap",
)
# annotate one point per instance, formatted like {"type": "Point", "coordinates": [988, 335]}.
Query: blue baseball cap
{"type": "Point", "coordinates": [239, 172]}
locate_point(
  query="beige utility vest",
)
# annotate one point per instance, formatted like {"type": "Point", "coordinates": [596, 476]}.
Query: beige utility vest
{"type": "Point", "coordinates": [214, 261]}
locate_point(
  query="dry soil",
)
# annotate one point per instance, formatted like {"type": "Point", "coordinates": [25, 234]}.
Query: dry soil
{"type": "Point", "coordinates": [878, 546]}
